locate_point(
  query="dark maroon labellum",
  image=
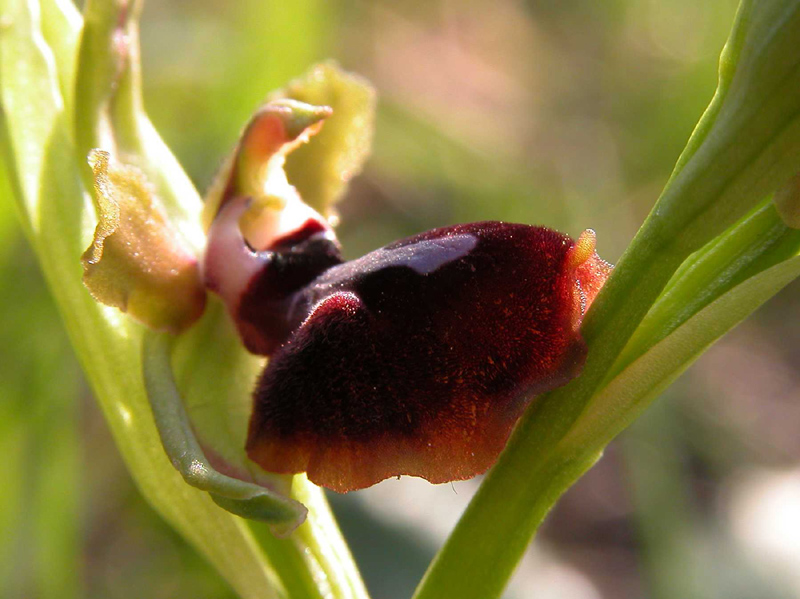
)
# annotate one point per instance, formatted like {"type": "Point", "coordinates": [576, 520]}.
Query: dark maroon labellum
{"type": "Point", "coordinates": [417, 358]}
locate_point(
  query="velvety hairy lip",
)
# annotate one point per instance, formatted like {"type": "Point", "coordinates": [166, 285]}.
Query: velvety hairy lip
{"type": "Point", "coordinates": [419, 357]}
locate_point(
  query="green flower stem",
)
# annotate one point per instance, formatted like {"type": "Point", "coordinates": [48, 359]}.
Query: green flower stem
{"type": "Point", "coordinates": [760, 241]}
{"type": "Point", "coordinates": [321, 541]}
{"type": "Point", "coordinates": [101, 64]}
{"type": "Point", "coordinates": [743, 281]}
{"type": "Point", "coordinates": [109, 111]}
{"type": "Point", "coordinates": [108, 82]}
{"type": "Point", "coordinates": [61, 26]}
{"type": "Point", "coordinates": [245, 499]}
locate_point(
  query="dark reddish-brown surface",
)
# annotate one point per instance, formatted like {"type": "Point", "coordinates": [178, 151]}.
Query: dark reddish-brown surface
{"type": "Point", "coordinates": [265, 316]}
{"type": "Point", "coordinates": [419, 358]}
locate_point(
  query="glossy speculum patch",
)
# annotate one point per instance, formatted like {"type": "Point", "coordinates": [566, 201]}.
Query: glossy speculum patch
{"type": "Point", "coordinates": [417, 358]}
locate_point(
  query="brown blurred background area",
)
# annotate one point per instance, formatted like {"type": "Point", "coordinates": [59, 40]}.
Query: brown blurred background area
{"type": "Point", "coordinates": [567, 114]}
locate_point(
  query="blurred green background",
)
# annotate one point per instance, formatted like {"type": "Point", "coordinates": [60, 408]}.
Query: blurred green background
{"type": "Point", "coordinates": [568, 114]}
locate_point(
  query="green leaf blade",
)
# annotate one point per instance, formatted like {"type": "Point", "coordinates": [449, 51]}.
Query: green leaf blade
{"type": "Point", "coordinates": [758, 242]}
{"type": "Point", "coordinates": [619, 402]}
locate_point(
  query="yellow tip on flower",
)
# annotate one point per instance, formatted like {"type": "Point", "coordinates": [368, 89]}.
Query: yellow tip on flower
{"type": "Point", "coordinates": [583, 249]}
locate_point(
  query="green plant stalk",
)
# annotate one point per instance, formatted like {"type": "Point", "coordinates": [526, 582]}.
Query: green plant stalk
{"type": "Point", "coordinates": [732, 161]}
{"type": "Point", "coordinates": [759, 241]}
{"type": "Point", "coordinates": [109, 110]}
{"type": "Point", "coordinates": [61, 27]}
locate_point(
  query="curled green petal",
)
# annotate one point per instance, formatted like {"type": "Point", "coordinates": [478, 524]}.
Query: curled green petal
{"type": "Point", "coordinates": [237, 496]}
{"type": "Point", "coordinates": [321, 170]}
{"type": "Point", "coordinates": [255, 167]}
{"type": "Point", "coordinates": [137, 261]}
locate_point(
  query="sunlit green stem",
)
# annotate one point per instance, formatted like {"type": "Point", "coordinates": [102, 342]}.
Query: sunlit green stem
{"type": "Point", "coordinates": [108, 83]}
{"type": "Point", "coordinates": [109, 110]}
{"type": "Point", "coordinates": [759, 241]}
